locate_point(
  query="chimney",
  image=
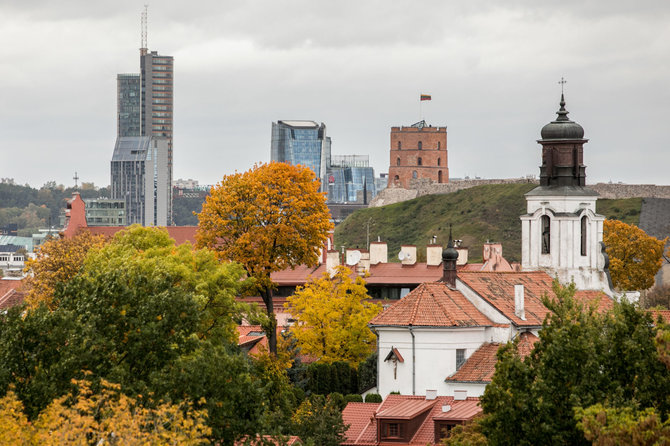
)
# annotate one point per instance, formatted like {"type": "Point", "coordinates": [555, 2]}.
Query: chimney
{"type": "Point", "coordinates": [363, 265]}
{"type": "Point", "coordinates": [431, 394]}
{"type": "Point", "coordinates": [378, 253]}
{"type": "Point", "coordinates": [332, 261]}
{"type": "Point", "coordinates": [460, 395]}
{"type": "Point", "coordinates": [408, 254]}
{"type": "Point", "coordinates": [519, 302]}
{"type": "Point", "coordinates": [433, 255]}
{"type": "Point", "coordinates": [491, 250]}
{"type": "Point", "coordinates": [449, 259]}
{"type": "Point", "coordinates": [462, 256]}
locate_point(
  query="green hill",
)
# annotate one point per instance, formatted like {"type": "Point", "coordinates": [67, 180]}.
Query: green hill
{"type": "Point", "coordinates": [489, 212]}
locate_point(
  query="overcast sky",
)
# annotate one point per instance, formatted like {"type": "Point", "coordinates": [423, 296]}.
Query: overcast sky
{"type": "Point", "coordinates": [492, 68]}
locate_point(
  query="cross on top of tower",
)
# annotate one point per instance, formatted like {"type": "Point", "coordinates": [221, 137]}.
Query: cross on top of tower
{"type": "Point", "coordinates": [562, 82]}
{"type": "Point", "coordinates": [76, 179]}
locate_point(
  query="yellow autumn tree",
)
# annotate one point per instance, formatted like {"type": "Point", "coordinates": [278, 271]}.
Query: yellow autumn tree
{"type": "Point", "coordinates": [635, 257]}
{"type": "Point", "coordinates": [14, 426]}
{"type": "Point", "coordinates": [267, 219]}
{"type": "Point", "coordinates": [332, 316]}
{"type": "Point", "coordinates": [57, 261]}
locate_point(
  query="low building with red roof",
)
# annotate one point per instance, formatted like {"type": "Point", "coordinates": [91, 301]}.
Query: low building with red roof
{"type": "Point", "coordinates": [407, 420]}
{"type": "Point", "coordinates": [11, 293]}
{"type": "Point", "coordinates": [443, 336]}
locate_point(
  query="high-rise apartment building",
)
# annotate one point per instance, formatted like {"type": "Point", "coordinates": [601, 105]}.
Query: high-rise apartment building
{"type": "Point", "coordinates": [139, 174]}
{"type": "Point", "coordinates": [304, 143]}
{"type": "Point", "coordinates": [418, 152]}
{"type": "Point", "coordinates": [145, 109]}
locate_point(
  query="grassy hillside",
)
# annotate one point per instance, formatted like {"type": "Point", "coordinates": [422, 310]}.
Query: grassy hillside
{"type": "Point", "coordinates": [489, 212]}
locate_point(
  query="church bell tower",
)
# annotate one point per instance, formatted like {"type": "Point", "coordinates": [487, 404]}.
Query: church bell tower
{"type": "Point", "coordinates": [561, 233]}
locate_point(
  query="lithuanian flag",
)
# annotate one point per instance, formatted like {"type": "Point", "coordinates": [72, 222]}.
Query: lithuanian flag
{"type": "Point", "coordinates": [425, 97]}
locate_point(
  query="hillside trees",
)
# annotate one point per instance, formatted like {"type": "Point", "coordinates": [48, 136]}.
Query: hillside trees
{"type": "Point", "coordinates": [635, 257]}
{"type": "Point", "coordinates": [269, 218]}
{"type": "Point", "coordinates": [332, 316]}
{"type": "Point", "coordinates": [583, 358]}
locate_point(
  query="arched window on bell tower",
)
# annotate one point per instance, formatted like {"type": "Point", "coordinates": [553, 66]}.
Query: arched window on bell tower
{"type": "Point", "coordinates": [583, 235]}
{"type": "Point", "coordinates": [546, 234]}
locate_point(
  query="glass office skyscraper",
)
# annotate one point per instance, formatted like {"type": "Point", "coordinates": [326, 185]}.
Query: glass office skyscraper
{"type": "Point", "coordinates": [304, 143]}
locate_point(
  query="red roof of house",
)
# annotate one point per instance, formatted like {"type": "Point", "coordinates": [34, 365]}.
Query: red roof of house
{"type": "Point", "coordinates": [497, 288]}
{"type": "Point", "coordinates": [292, 441]}
{"type": "Point", "coordinates": [362, 423]}
{"type": "Point", "coordinates": [10, 293]}
{"type": "Point", "coordinates": [664, 314]}
{"type": "Point", "coordinates": [180, 234]}
{"type": "Point", "coordinates": [434, 305]}
{"type": "Point", "coordinates": [481, 365]}
{"type": "Point", "coordinates": [363, 417]}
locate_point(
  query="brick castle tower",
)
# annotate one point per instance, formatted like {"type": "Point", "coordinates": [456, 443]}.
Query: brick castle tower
{"type": "Point", "coordinates": [418, 152]}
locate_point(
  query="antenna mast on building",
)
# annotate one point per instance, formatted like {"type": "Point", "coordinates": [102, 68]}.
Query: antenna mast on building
{"type": "Point", "coordinates": [144, 47]}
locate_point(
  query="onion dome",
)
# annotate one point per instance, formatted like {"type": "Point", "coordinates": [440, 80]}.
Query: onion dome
{"type": "Point", "coordinates": [562, 127]}
{"type": "Point", "coordinates": [450, 254]}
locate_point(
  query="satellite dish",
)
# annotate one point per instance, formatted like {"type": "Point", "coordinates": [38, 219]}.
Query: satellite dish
{"type": "Point", "coordinates": [401, 255]}
{"type": "Point", "coordinates": [353, 257]}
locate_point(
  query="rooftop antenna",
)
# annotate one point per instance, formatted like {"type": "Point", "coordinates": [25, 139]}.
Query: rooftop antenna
{"type": "Point", "coordinates": [144, 47]}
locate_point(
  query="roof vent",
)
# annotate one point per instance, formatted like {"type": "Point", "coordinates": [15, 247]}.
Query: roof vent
{"type": "Point", "coordinates": [460, 395]}
{"type": "Point", "coordinates": [431, 394]}
{"type": "Point", "coordinates": [519, 309]}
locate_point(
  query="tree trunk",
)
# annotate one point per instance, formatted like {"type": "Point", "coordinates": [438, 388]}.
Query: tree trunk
{"type": "Point", "coordinates": [271, 330]}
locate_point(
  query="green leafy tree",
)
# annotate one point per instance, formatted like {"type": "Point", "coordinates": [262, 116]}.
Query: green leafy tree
{"type": "Point", "coordinates": [583, 358]}
{"type": "Point", "coordinates": [269, 218]}
{"type": "Point", "coordinates": [625, 426]}
{"type": "Point", "coordinates": [319, 420]}
{"type": "Point", "coordinates": [332, 316]}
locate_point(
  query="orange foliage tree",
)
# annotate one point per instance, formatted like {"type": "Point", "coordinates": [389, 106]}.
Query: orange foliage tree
{"type": "Point", "coordinates": [635, 257]}
{"type": "Point", "coordinates": [57, 261]}
{"type": "Point", "coordinates": [269, 218]}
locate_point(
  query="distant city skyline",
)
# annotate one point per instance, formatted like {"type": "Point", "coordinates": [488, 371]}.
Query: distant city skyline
{"type": "Point", "coordinates": [492, 71]}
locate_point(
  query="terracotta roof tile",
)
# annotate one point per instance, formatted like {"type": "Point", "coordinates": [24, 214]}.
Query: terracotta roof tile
{"type": "Point", "coordinates": [405, 409]}
{"type": "Point", "coordinates": [10, 293]}
{"type": "Point", "coordinates": [480, 365]}
{"type": "Point", "coordinates": [664, 314]}
{"type": "Point", "coordinates": [527, 341]}
{"type": "Point", "coordinates": [497, 288]}
{"type": "Point", "coordinates": [180, 234]}
{"type": "Point", "coordinates": [362, 423]}
{"type": "Point", "coordinates": [433, 305]}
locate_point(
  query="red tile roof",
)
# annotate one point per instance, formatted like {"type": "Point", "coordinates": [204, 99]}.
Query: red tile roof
{"type": "Point", "coordinates": [497, 288]}
{"type": "Point", "coordinates": [664, 314]}
{"type": "Point", "coordinates": [362, 423]}
{"type": "Point", "coordinates": [10, 293]}
{"type": "Point", "coordinates": [480, 365]}
{"type": "Point", "coordinates": [180, 234]}
{"type": "Point", "coordinates": [433, 305]}
{"type": "Point", "coordinates": [405, 409]}
{"type": "Point", "coordinates": [363, 417]}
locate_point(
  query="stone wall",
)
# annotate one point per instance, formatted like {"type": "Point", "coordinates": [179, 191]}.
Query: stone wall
{"type": "Point", "coordinates": [421, 187]}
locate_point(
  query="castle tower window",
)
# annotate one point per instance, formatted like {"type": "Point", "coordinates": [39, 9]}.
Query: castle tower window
{"type": "Point", "coordinates": [399, 145]}
{"type": "Point", "coordinates": [419, 162]}
{"type": "Point", "coordinates": [397, 161]}
{"type": "Point", "coordinates": [420, 145]}
{"type": "Point", "coordinates": [546, 234]}
{"type": "Point", "coordinates": [583, 235]}
{"type": "Point", "coordinates": [439, 145]}
{"type": "Point", "coordinates": [415, 175]}
{"type": "Point", "coordinates": [439, 161]}
{"type": "Point", "coordinates": [439, 176]}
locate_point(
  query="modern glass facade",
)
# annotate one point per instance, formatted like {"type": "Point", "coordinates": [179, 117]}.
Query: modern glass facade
{"type": "Point", "coordinates": [128, 104]}
{"type": "Point", "coordinates": [139, 173]}
{"type": "Point", "coordinates": [302, 142]}
{"type": "Point", "coordinates": [105, 212]}
{"type": "Point", "coordinates": [347, 184]}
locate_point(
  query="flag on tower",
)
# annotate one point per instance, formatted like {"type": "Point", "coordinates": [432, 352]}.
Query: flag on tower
{"type": "Point", "coordinates": [425, 97]}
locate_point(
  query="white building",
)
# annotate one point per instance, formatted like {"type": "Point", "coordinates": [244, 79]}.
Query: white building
{"type": "Point", "coordinates": [443, 336]}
